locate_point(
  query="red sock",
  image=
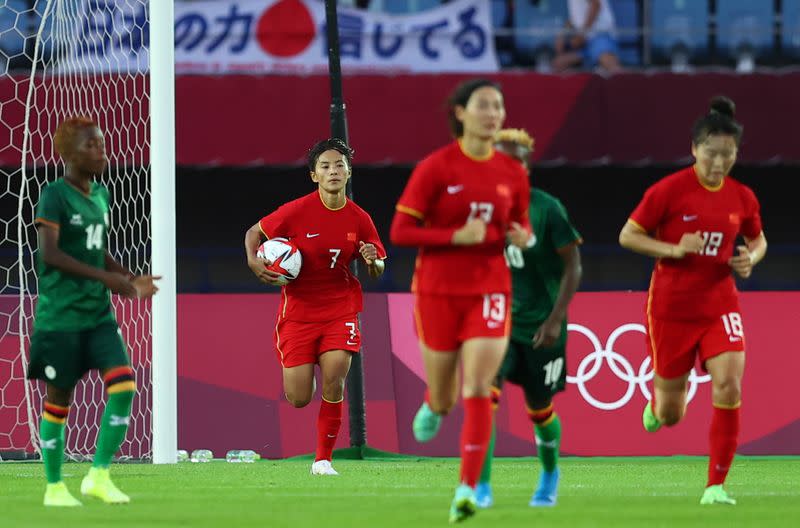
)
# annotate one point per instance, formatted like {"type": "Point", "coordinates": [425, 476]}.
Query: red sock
{"type": "Point", "coordinates": [475, 434]}
{"type": "Point", "coordinates": [722, 439]}
{"type": "Point", "coordinates": [427, 396]}
{"type": "Point", "coordinates": [328, 423]}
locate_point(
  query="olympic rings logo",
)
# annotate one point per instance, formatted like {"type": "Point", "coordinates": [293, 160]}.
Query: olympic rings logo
{"type": "Point", "coordinates": [620, 366]}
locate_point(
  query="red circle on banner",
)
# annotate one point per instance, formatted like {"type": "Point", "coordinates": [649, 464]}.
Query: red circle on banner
{"type": "Point", "coordinates": [286, 28]}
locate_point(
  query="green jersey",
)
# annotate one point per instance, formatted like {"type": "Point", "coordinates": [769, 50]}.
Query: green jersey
{"type": "Point", "coordinates": [536, 272]}
{"type": "Point", "coordinates": [69, 302]}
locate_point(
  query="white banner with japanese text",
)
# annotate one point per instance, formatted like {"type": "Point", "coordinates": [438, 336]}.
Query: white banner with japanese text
{"type": "Point", "coordinates": [289, 37]}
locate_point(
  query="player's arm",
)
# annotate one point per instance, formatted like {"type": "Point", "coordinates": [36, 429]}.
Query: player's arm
{"type": "Point", "coordinates": [635, 237]}
{"type": "Point", "coordinates": [749, 255]}
{"type": "Point", "coordinates": [375, 264]}
{"type": "Point", "coordinates": [53, 256]}
{"type": "Point", "coordinates": [550, 330]}
{"type": "Point", "coordinates": [252, 239]}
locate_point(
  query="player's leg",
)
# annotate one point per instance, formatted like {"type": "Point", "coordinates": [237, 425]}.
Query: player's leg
{"type": "Point", "coordinates": [334, 366]}
{"type": "Point", "coordinates": [296, 346]}
{"type": "Point", "coordinates": [545, 374]}
{"type": "Point", "coordinates": [726, 370]}
{"type": "Point", "coordinates": [509, 367]}
{"type": "Point", "coordinates": [668, 404]}
{"type": "Point", "coordinates": [441, 394]}
{"type": "Point", "coordinates": [435, 320]}
{"type": "Point", "coordinates": [672, 346]}
{"type": "Point", "coordinates": [51, 431]}
{"type": "Point", "coordinates": [299, 384]}
{"type": "Point", "coordinates": [106, 351]}
{"type": "Point", "coordinates": [483, 491]}
{"type": "Point", "coordinates": [481, 358]}
{"type": "Point", "coordinates": [55, 359]}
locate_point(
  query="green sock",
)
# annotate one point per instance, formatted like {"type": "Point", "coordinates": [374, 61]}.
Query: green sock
{"type": "Point", "coordinates": [486, 473]}
{"type": "Point", "coordinates": [52, 435]}
{"type": "Point", "coordinates": [548, 441]}
{"type": "Point", "coordinates": [113, 427]}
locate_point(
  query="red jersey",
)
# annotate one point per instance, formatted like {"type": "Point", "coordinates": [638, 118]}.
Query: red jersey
{"type": "Point", "coordinates": [445, 190]}
{"type": "Point", "coordinates": [698, 286]}
{"type": "Point", "coordinates": [328, 240]}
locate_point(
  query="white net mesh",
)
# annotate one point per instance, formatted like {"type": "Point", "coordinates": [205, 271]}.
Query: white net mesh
{"type": "Point", "coordinates": [58, 59]}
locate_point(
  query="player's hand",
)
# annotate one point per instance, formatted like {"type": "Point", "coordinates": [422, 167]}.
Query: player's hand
{"type": "Point", "coordinates": [145, 285]}
{"type": "Point", "coordinates": [369, 252]}
{"type": "Point", "coordinates": [742, 263]}
{"type": "Point", "coordinates": [689, 243]}
{"type": "Point", "coordinates": [547, 334]}
{"type": "Point", "coordinates": [259, 267]}
{"type": "Point", "coordinates": [519, 236]}
{"type": "Point", "coordinates": [119, 284]}
{"type": "Point", "coordinates": [473, 232]}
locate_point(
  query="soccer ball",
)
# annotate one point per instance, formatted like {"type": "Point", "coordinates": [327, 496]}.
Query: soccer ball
{"type": "Point", "coordinates": [285, 257]}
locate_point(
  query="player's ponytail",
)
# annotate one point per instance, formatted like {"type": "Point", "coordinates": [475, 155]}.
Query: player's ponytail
{"type": "Point", "coordinates": [718, 121]}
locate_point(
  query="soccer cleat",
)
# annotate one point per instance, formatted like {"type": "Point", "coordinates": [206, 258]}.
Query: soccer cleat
{"type": "Point", "coordinates": [323, 467]}
{"type": "Point", "coordinates": [649, 420]}
{"type": "Point", "coordinates": [463, 506]}
{"type": "Point", "coordinates": [716, 495]}
{"type": "Point", "coordinates": [426, 424]}
{"type": "Point", "coordinates": [58, 495]}
{"type": "Point", "coordinates": [547, 491]}
{"type": "Point", "coordinates": [483, 495]}
{"type": "Point", "coordinates": [98, 484]}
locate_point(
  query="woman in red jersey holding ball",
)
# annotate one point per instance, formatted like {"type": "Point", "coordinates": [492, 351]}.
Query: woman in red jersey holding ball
{"type": "Point", "coordinates": [318, 314]}
{"type": "Point", "coordinates": [690, 221]}
{"type": "Point", "coordinates": [459, 207]}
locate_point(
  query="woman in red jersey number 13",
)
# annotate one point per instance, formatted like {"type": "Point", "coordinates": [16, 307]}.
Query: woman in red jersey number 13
{"type": "Point", "coordinates": [460, 206]}
{"type": "Point", "coordinates": [690, 221]}
{"type": "Point", "coordinates": [318, 313]}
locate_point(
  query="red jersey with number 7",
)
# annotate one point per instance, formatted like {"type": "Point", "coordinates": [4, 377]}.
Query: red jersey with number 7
{"type": "Point", "coordinates": [445, 190]}
{"type": "Point", "coordinates": [328, 240]}
{"type": "Point", "coordinates": [698, 286]}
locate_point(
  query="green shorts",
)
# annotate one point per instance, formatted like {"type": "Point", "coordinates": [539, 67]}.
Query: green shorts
{"type": "Point", "coordinates": [62, 358]}
{"type": "Point", "coordinates": [541, 372]}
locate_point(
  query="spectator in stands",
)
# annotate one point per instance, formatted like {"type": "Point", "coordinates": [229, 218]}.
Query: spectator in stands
{"type": "Point", "coordinates": [588, 38]}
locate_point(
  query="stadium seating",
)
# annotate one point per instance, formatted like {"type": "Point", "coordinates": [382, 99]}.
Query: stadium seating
{"type": "Point", "coordinates": [745, 30]}
{"type": "Point", "coordinates": [12, 41]}
{"type": "Point", "coordinates": [791, 28]}
{"type": "Point", "coordinates": [629, 24]}
{"type": "Point", "coordinates": [399, 7]}
{"type": "Point", "coordinates": [536, 27]}
{"type": "Point", "coordinates": [679, 30]}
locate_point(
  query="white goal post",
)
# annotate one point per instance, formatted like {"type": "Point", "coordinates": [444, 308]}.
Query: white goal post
{"type": "Point", "coordinates": [112, 61]}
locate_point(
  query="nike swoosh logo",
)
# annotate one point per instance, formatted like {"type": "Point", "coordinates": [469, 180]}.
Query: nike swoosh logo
{"type": "Point", "coordinates": [453, 189]}
{"type": "Point", "coordinates": [312, 235]}
{"type": "Point", "coordinates": [689, 218]}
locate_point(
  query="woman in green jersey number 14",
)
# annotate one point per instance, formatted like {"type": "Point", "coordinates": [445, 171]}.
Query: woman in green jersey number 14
{"type": "Point", "coordinates": [74, 328]}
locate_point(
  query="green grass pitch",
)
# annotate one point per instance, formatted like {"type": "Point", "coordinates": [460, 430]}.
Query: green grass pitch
{"type": "Point", "coordinates": [411, 492]}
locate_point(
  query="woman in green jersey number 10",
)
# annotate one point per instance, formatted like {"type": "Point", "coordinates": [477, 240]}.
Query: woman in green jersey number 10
{"type": "Point", "coordinates": [74, 328]}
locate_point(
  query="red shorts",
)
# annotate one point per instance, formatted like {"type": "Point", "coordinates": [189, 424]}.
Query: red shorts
{"type": "Point", "coordinates": [443, 322]}
{"type": "Point", "coordinates": [674, 345]}
{"type": "Point", "coordinates": [299, 343]}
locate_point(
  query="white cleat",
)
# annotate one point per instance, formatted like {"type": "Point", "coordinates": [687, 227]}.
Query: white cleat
{"type": "Point", "coordinates": [323, 467]}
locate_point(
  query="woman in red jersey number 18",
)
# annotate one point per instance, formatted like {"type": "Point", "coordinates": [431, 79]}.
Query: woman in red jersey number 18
{"type": "Point", "coordinates": [460, 206]}
{"type": "Point", "coordinates": [318, 313]}
{"type": "Point", "coordinates": [690, 222]}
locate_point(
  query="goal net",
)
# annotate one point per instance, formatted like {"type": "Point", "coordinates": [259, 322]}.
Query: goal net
{"type": "Point", "coordinates": [59, 59]}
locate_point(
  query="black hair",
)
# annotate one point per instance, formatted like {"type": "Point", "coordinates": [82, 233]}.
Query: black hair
{"type": "Point", "coordinates": [718, 121]}
{"type": "Point", "coordinates": [459, 97]}
{"type": "Point", "coordinates": [329, 144]}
